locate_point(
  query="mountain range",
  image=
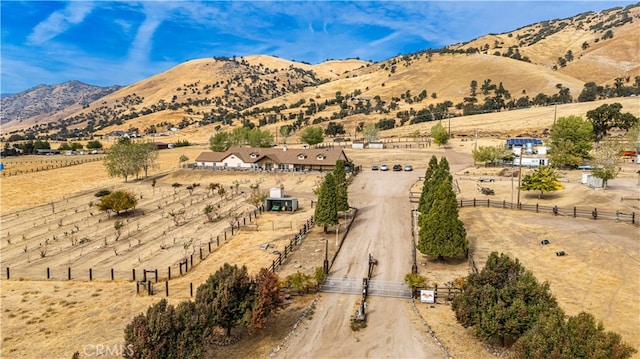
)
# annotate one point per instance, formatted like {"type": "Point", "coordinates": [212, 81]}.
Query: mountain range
{"type": "Point", "coordinates": [586, 57]}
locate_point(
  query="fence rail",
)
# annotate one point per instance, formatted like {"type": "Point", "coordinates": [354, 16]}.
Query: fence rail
{"type": "Point", "coordinates": [297, 239]}
{"type": "Point", "coordinates": [574, 212]}
{"type": "Point", "coordinates": [45, 165]}
{"type": "Point", "coordinates": [174, 270]}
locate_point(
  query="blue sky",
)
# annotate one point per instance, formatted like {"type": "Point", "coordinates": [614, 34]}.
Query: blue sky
{"type": "Point", "coordinates": [116, 42]}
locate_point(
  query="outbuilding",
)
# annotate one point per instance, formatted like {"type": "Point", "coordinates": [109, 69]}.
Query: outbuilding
{"type": "Point", "coordinates": [277, 201]}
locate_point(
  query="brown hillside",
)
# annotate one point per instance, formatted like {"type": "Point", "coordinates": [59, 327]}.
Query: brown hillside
{"type": "Point", "coordinates": [596, 56]}
{"type": "Point", "coordinates": [227, 92]}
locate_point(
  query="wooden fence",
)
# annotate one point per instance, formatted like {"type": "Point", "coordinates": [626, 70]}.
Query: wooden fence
{"type": "Point", "coordinates": [574, 212]}
{"type": "Point", "coordinates": [141, 274]}
{"type": "Point", "coordinates": [297, 239]}
{"type": "Point", "coordinates": [44, 165]}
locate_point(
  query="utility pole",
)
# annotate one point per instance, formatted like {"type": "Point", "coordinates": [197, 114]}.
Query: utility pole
{"type": "Point", "coordinates": [519, 179]}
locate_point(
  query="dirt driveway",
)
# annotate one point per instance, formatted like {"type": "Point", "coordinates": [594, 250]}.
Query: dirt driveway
{"type": "Point", "coordinates": [382, 228]}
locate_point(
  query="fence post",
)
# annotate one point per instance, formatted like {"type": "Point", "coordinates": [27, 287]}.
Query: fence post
{"type": "Point", "coordinates": [133, 273]}
{"type": "Point", "coordinates": [209, 246]}
{"type": "Point", "coordinates": [225, 234]}
{"type": "Point", "coordinates": [474, 202]}
{"type": "Point", "coordinates": [156, 275]}
{"type": "Point", "coordinates": [504, 204]}
{"type": "Point", "coordinates": [149, 291]}
{"type": "Point", "coordinates": [488, 203]}
{"type": "Point", "coordinates": [166, 288]}
{"type": "Point", "coordinates": [574, 212]}
{"type": "Point", "coordinates": [244, 221]}
{"type": "Point", "coordinates": [461, 205]}
{"type": "Point", "coordinates": [69, 273]}
{"type": "Point", "coordinates": [90, 274]}
{"type": "Point", "coordinates": [633, 221]}
{"type": "Point", "coordinates": [218, 240]}
{"type": "Point", "coordinates": [555, 210]}
{"type": "Point", "coordinates": [168, 273]}
{"type": "Point", "coordinates": [111, 273]}
{"type": "Point", "coordinates": [190, 289]}
{"type": "Point", "coordinates": [200, 253]}
{"type": "Point", "coordinates": [536, 208]}
{"type": "Point", "coordinates": [8, 274]}
{"type": "Point", "coordinates": [191, 260]}
{"type": "Point", "coordinates": [48, 273]}
{"type": "Point", "coordinates": [595, 213]}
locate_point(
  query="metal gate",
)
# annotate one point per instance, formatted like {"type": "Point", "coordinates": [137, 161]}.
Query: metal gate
{"type": "Point", "coordinates": [389, 289]}
{"type": "Point", "coordinates": [342, 285]}
{"type": "Point", "coordinates": [376, 287]}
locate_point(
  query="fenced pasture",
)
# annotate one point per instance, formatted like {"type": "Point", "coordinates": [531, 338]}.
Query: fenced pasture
{"type": "Point", "coordinates": [20, 165]}
{"type": "Point", "coordinates": [168, 231]}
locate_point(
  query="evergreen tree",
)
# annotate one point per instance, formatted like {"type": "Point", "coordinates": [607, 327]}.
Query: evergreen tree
{"type": "Point", "coordinates": [152, 335]}
{"type": "Point", "coordinates": [326, 213]}
{"type": "Point", "coordinates": [502, 301]}
{"type": "Point", "coordinates": [225, 297]}
{"type": "Point", "coordinates": [580, 336]}
{"type": "Point", "coordinates": [442, 233]}
{"type": "Point", "coordinates": [431, 169]}
{"type": "Point", "coordinates": [340, 178]}
{"type": "Point", "coordinates": [440, 174]}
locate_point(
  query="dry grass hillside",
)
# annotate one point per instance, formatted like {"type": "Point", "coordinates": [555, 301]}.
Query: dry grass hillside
{"type": "Point", "coordinates": [596, 56]}
{"type": "Point", "coordinates": [206, 95]}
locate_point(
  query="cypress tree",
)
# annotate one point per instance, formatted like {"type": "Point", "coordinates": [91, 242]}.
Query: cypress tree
{"type": "Point", "coordinates": [441, 232]}
{"type": "Point", "coordinates": [431, 169]}
{"type": "Point", "coordinates": [326, 213]}
{"type": "Point", "coordinates": [340, 178]}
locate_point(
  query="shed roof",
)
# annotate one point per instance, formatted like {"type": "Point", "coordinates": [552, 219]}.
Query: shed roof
{"type": "Point", "coordinates": [522, 141]}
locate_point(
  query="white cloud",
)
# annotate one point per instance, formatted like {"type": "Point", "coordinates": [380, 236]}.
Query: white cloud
{"type": "Point", "coordinates": [59, 21]}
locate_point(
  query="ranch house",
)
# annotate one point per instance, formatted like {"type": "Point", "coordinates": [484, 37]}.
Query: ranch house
{"type": "Point", "coordinates": [271, 159]}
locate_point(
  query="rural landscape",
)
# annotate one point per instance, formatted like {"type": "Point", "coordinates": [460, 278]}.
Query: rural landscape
{"type": "Point", "coordinates": [127, 217]}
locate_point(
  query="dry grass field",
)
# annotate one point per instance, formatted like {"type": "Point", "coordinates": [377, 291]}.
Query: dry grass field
{"type": "Point", "coordinates": [64, 316]}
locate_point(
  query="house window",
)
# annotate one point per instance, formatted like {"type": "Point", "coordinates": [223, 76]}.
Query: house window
{"type": "Point", "coordinates": [320, 157]}
{"type": "Point", "coordinates": [254, 155]}
{"type": "Point", "coordinates": [302, 156]}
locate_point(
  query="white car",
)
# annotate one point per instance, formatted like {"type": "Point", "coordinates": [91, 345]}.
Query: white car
{"type": "Point", "coordinates": [384, 168]}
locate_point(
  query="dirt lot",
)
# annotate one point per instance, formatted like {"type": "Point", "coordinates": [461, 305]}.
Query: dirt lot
{"type": "Point", "coordinates": [64, 316]}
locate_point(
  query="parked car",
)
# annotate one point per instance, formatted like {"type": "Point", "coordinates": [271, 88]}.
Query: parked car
{"type": "Point", "coordinates": [397, 168]}
{"type": "Point", "coordinates": [374, 168]}
{"type": "Point", "coordinates": [408, 168]}
{"type": "Point", "coordinates": [384, 168]}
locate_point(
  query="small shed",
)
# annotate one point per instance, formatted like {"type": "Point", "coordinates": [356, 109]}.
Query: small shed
{"type": "Point", "coordinates": [277, 201]}
{"type": "Point", "coordinates": [376, 145]}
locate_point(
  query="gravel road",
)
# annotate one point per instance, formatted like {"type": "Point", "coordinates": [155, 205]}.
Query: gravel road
{"type": "Point", "coordinates": [382, 228]}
